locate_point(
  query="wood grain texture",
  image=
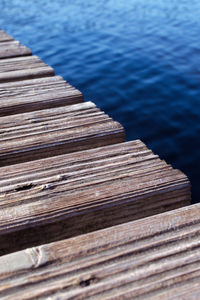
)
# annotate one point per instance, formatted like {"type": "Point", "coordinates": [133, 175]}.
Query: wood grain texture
{"type": "Point", "coordinates": [63, 196]}
{"type": "Point", "coordinates": [22, 68]}
{"type": "Point", "coordinates": [13, 49]}
{"type": "Point", "coordinates": [4, 37]}
{"type": "Point", "coordinates": [50, 132]}
{"type": "Point", "coordinates": [152, 258]}
{"type": "Point", "coordinates": [36, 94]}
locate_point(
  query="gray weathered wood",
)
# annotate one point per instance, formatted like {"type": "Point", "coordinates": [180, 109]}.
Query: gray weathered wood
{"type": "Point", "coordinates": [13, 49]}
{"type": "Point", "coordinates": [49, 132]}
{"type": "Point", "coordinates": [36, 94]}
{"type": "Point", "coordinates": [152, 258]}
{"type": "Point", "coordinates": [64, 196]}
{"type": "Point", "coordinates": [4, 37]}
{"type": "Point", "coordinates": [21, 68]}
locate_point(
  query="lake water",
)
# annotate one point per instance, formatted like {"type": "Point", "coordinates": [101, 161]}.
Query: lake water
{"type": "Point", "coordinates": [138, 60]}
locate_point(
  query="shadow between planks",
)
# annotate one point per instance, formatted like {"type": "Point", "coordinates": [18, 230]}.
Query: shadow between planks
{"type": "Point", "coordinates": [48, 193]}
{"type": "Point", "coordinates": [50, 132]}
{"type": "Point", "coordinates": [152, 258]}
{"type": "Point", "coordinates": [71, 194]}
{"type": "Point", "coordinates": [36, 94]}
{"type": "Point", "coordinates": [4, 37]}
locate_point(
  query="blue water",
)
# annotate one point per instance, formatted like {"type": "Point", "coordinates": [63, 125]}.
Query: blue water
{"type": "Point", "coordinates": [138, 60]}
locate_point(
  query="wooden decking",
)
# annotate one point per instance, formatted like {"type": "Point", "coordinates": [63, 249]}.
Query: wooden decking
{"type": "Point", "coordinates": [22, 68]}
{"type": "Point", "coordinates": [13, 49]}
{"type": "Point", "coordinates": [49, 132]}
{"type": "Point", "coordinates": [65, 196]}
{"type": "Point", "coordinates": [66, 170]}
{"type": "Point", "coordinates": [153, 258]}
{"type": "Point", "coordinates": [36, 94]}
{"type": "Point", "coordinates": [4, 37]}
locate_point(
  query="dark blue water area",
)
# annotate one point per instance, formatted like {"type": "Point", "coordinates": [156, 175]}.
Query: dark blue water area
{"type": "Point", "coordinates": [138, 60]}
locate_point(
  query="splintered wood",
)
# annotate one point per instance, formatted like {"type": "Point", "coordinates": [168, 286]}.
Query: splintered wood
{"type": "Point", "coordinates": [153, 258]}
{"type": "Point", "coordinates": [36, 94]}
{"type": "Point", "coordinates": [72, 194]}
{"type": "Point", "coordinates": [45, 133]}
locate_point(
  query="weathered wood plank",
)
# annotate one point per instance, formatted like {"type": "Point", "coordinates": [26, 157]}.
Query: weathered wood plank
{"type": "Point", "coordinates": [152, 258]}
{"type": "Point", "coordinates": [50, 132]}
{"type": "Point", "coordinates": [21, 68]}
{"type": "Point", "coordinates": [13, 86]}
{"type": "Point", "coordinates": [13, 49]}
{"type": "Point", "coordinates": [59, 197]}
{"type": "Point", "coordinates": [4, 37]}
{"type": "Point", "coordinates": [29, 95]}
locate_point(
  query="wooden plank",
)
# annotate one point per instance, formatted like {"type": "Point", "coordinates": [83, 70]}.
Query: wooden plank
{"type": "Point", "coordinates": [152, 258]}
{"type": "Point", "coordinates": [36, 94]}
{"type": "Point", "coordinates": [21, 68]}
{"type": "Point", "coordinates": [13, 49]}
{"type": "Point", "coordinates": [4, 37]}
{"type": "Point", "coordinates": [50, 132]}
{"type": "Point", "coordinates": [64, 196]}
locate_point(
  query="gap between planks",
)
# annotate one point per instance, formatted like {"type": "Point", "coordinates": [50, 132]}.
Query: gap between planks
{"type": "Point", "coordinates": [152, 258]}
{"type": "Point", "coordinates": [63, 196]}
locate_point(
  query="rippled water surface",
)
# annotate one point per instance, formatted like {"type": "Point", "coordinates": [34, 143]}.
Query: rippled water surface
{"type": "Point", "coordinates": [138, 60]}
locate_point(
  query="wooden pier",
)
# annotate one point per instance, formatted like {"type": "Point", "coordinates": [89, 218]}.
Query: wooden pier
{"type": "Point", "coordinates": [67, 177]}
{"type": "Point", "coordinates": [152, 258]}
